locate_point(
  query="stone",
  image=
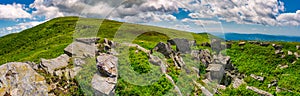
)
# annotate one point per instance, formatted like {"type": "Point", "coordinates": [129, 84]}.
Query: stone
{"type": "Point", "coordinates": [56, 63]}
{"type": "Point", "coordinates": [78, 62]}
{"type": "Point", "coordinates": [278, 52]}
{"type": "Point", "coordinates": [178, 60]}
{"type": "Point", "coordinates": [259, 78]}
{"type": "Point", "coordinates": [261, 92]}
{"type": "Point", "coordinates": [195, 55]}
{"type": "Point", "coordinates": [107, 65]}
{"type": "Point", "coordinates": [58, 73]}
{"type": "Point", "coordinates": [182, 45]}
{"type": "Point", "coordinates": [298, 47]}
{"type": "Point", "coordinates": [237, 82]}
{"type": "Point", "coordinates": [216, 45]}
{"type": "Point", "coordinates": [216, 72]}
{"type": "Point", "coordinates": [74, 71]}
{"type": "Point", "coordinates": [265, 44]}
{"type": "Point", "coordinates": [163, 48]}
{"type": "Point", "coordinates": [205, 57]}
{"type": "Point", "coordinates": [290, 53]}
{"type": "Point", "coordinates": [296, 55]}
{"type": "Point", "coordinates": [277, 47]}
{"type": "Point", "coordinates": [283, 66]}
{"type": "Point", "coordinates": [225, 61]}
{"type": "Point", "coordinates": [242, 43]}
{"type": "Point", "coordinates": [104, 86]}
{"type": "Point", "coordinates": [89, 41]}
{"type": "Point", "coordinates": [158, 62]}
{"type": "Point", "coordinates": [81, 50]}
{"type": "Point", "coordinates": [19, 79]}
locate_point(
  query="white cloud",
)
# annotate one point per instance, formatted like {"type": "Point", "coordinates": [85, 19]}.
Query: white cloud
{"type": "Point", "coordinates": [19, 27]}
{"type": "Point", "coordinates": [200, 22]}
{"type": "Point", "coordinates": [13, 11]}
{"type": "Point", "coordinates": [289, 18]}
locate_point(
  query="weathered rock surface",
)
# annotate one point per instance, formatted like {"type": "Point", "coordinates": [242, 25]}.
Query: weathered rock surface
{"type": "Point", "coordinates": [237, 82]}
{"type": "Point", "coordinates": [79, 49]}
{"type": "Point", "coordinates": [107, 65]}
{"type": "Point", "coordinates": [215, 72]}
{"type": "Point", "coordinates": [182, 45]}
{"type": "Point", "coordinates": [216, 45]}
{"type": "Point", "coordinates": [178, 60]}
{"type": "Point", "coordinates": [163, 48]}
{"type": "Point", "coordinates": [261, 92]}
{"type": "Point", "coordinates": [259, 78]}
{"type": "Point", "coordinates": [205, 57]}
{"type": "Point", "coordinates": [19, 79]}
{"type": "Point", "coordinates": [56, 63]}
{"type": "Point", "coordinates": [104, 81]}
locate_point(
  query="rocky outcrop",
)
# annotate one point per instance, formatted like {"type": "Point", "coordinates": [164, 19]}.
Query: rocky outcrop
{"type": "Point", "coordinates": [56, 63]}
{"type": "Point", "coordinates": [105, 80]}
{"type": "Point", "coordinates": [205, 57]}
{"type": "Point", "coordinates": [89, 41]}
{"type": "Point", "coordinates": [216, 45]}
{"type": "Point", "coordinates": [215, 72]}
{"type": "Point", "coordinates": [163, 48]}
{"type": "Point", "coordinates": [259, 78]}
{"type": "Point", "coordinates": [178, 60]}
{"type": "Point", "coordinates": [79, 49]}
{"type": "Point", "coordinates": [237, 82]}
{"type": "Point", "coordinates": [19, 79]}
{"type": "Point", "coordinates": [182, 45]}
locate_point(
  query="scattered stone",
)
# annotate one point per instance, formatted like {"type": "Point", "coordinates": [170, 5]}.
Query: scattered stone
{"type": "Point", "coordinates": [296, 55]}
{"type": "Point", "coordinates": [178, 60]}
{"type": "Point", "coordinates": [242, 43]}
{"type": "Point", "coordinates": [259, 78]}
{"type": "Point", "coordinates": [107, 65]}
{"type": "Point", "coordinates": [298, 47]}
{"type": "Point", "coordinates": [56, 63]}
{"type": "Point", "coordinates": [195, 55]}
{"type": "Point", "coordinates": [182, 45]}
{"type": "Point", "coordinates": [19, 79]}
{"type": "Point", "coordinates": [283, 66]}
{"type": "Point", "coordinates": [273, 83]}
{"type": "Point", "coordinates": [278, 52]}
{"type": "Point", "coordinates": [277, 47]}
{"type": "Point", "coordinates": [158, 62]}
{"type": "Point", "coordinates": [205, 57]}
{"type": "Point", "coordinates": [261, 92]}
{"type": "Point", "coordinates": [290, 53]}
{"type": "Point", "coordinates": [215, 72]}
{"type": "Point", "coordinates": [264, 44]}
{"type": "Point", "coordinates": [224, 60]}
{"type": "Point", "coordinates": [237, 82]}
{"type": "Point", "coordinates": [163, 48]}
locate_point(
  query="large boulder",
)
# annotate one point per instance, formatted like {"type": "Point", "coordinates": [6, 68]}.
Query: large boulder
{"type": "Point", "coordinates": [107, 65]}
{"type": "Point", "coordinates": [182, 45]}
{"type": "Point", "coordinates": [216, 45]}
{"type": "Point", "coordinates": [79, 49]}
{"type": "Point", "coordinates": [19, 79]}
{"type": "Point", "coordinates": [215, 72]}
{"type": "Point", "coordinates": [163, 48]}
{"type": "Point", "coordinates": [56, 63]}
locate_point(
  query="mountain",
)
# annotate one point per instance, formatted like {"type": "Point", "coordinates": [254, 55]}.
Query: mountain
{"type": "Point", "coordinates": [257, 37]}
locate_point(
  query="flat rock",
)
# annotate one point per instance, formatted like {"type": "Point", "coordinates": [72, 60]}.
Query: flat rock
{"type": "Point", "coordinates": [182, 45]}
{"type": "Point", "coordinates": [107, 65]}
{"type": "Point", "coordinates": [104, 85]}
{"type": "Point", "coordinates": [56, 63]}
{"type": "Point", "coordinates": [215, 72]}
{"type": "Point", "coordinates": [237, 82]}
{"type": "Point", "coordinates": [261, 92]}
{"type": "Point", "coordinates": [79, 49]}
{"type": "Point", "coordinates": [19, 79]}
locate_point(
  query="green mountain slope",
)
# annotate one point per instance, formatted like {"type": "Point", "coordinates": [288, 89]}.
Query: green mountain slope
{"type": "Point", "coordinates": [48, 40]}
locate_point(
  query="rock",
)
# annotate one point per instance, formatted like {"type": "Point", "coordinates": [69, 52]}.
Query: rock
{"type": "Point", "coordinates": [242, 43]}
{"type": "Point", "coordinates": [78, 62]}
{"type": "Point", "coordinates": [277, 47]}
{"type": "Point", "coordinates": [193, 43]}
{"type": "Point", "coordinates": [265, 44]}
{"type": "Point", "coordinates": [82, 50]}
{"type": "Point", "coordinates": [58, 73]}
{"type": "Point", "coordinates": [67, 74]}
{"type": "Point", "coordinates": [237, 82]}
{"type": "Point", "coordinates": [56, 63]}
{"type": "Point", "coordinates": [261, 92]}
{"type": "Point", "coordinates": [73, 72]}
{"type": "Point", "coordinates": [163, 48]}
{"type": "Point", "coordinates": [215, 72]}
{"type": "Point", "coordinates": [206, 44]}
{"type": "Point", "coordinates": [298, 47]}
{"type": "Point", "coordinates": [104, 86]}
{"type": "Point", "coordinates": [205, 57]}
{"type": "Point", "coordinates": [195, 55]}
{"type": "Point", "coordinates": [283, 66]}
{"type": "Point", "coordinates": [273, 83]}
{"type": "Point", "coordinates": [259, 78]}
{"type": "Point", "coordinates": [89, 41]}
{"type": "Point", "coordinates": [290, 53]}
{"type": "Point", "coordinates": [158, 62]}
{"type": "Point", "coordinates": [19, 79]}
{"type": "Point", "coordinates": [182, 45]}
{"type": "Point", "coordinates": [296, 55]}
{"type": "Point", "coordinates": [278, 52]}
{"type": "Point", "coordinates": [216, 45]}
{"type": "Point", "coordinates": [224, 60]}
{"type": "Point", "coordinates": [178, 61]}
{"type": "Point", "coordinates": [107, 65]}
{"type": "Point", "coordinates": [33, 65]}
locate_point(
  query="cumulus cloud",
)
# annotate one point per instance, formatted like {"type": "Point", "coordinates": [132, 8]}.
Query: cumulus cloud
{"type": "Point", "coordinates": [289, 18]}
{"type": "Point", "coordinates": [13, 11]}
{"type": "Point", "coordinates": [19, 27]}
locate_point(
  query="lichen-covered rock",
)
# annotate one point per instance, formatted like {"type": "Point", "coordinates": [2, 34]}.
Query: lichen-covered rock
{"type": "Point", "coordinates": [259, 78]}
{"type": "Point", "coordinates": [56, 63]}
{"type": "Point", "coordinates": [107, 65]}
{"type": "Point", "coordinates": [215, 72]}
{"type": "Point", "coordinates": [19, 79]}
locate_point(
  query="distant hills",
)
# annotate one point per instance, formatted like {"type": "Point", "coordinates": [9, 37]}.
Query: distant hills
{"type": "Point", "coordinates": [258, 37]}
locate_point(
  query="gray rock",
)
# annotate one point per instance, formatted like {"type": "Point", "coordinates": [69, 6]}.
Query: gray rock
{"type": "Point", "coordinates": [216, 45]}
{"type": "Point", "coordinates": [178, 60]}
{"type": "Point", "coordinates": [79, 49]}
{"type": "Point", "coordinates": [163, 48]}
{"type": "Point", "coordinates": [107, 65]}
{"type": "Point", "coordinates": [89, 41]}
{"type": "Point", "coordinates": [278, 52]}
{"type": "Point", "coordinates": [237, 82]}
{"type": "Point", "coordinates": [215, 72]}
{"type": "Point", "coordinates": [277, 47]}
{"type": "Point", "coordinates": [19, 79]}
{"type": "Point", "coordinates": [56, 63]}
{"type": "Point", "coordinates": [104, 85]}
{"type": "Point", "coordinates": [205, 57]}
{"type": "Point", "coordinates": [261, 92]}
{"type": "Point", "coordinates": [195, 55]}
{"type": "Point", "coordinates": [242, 43]}
{"type": "Point", "coordinates": [78, 62]}
{"type": "Point", "coordinates": [298, 47]}
{"type": "Point", "coordinates": [259, 78]}
{"type": "Point", "coordinates": [182, 45]}
{"type": "Point", "coordinates": [290, 53]}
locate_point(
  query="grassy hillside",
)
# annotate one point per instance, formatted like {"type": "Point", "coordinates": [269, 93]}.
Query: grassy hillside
{"type": "Point", "coordinates": [48, 40]}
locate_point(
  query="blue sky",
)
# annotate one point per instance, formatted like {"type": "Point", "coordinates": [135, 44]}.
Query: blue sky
{"type": "Point", "coordinates": [254, 16]}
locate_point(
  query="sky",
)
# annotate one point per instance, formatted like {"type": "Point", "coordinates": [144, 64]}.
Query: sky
{"type": "Point", "coordinates": [275, 17]}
